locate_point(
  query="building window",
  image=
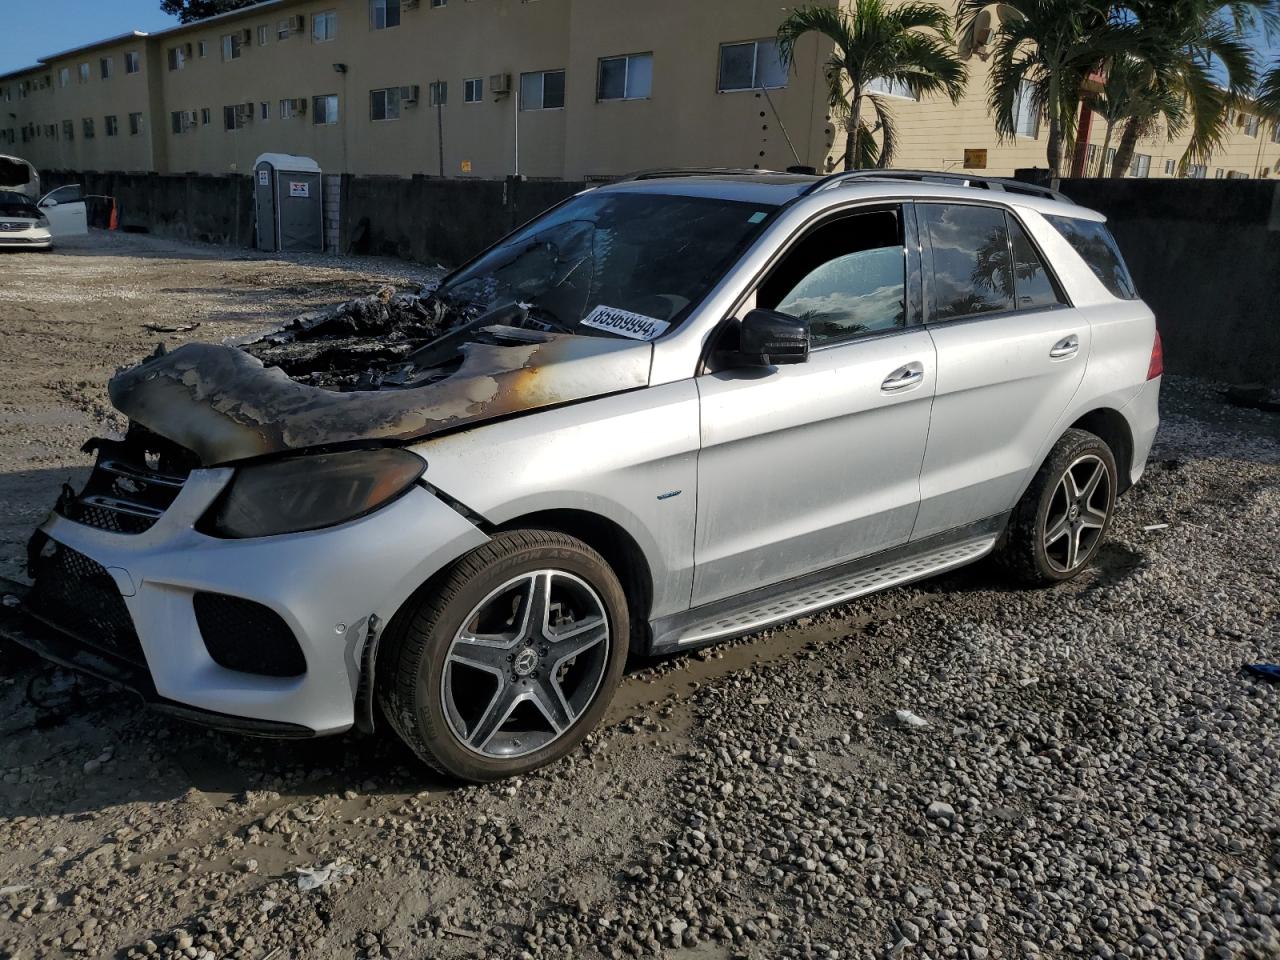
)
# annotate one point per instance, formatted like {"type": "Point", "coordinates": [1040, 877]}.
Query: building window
{"type": "Point", "coordinates": [1250, 125]}
{"type": "Point", "coordinates": [1110, 161]}
{"type": "Point", "coordinates": [890, 88]}
{"type": "Point", "coordinates": [203, 48]}
{"type": "Point", "coordinates": [473, 90]}
{"type": "Point", "coordinates": [84, 73]}
{"type": "Point", "coordinates": [64, 77]}
{"type": "Point", "coordinates": [438, 93]}
{"type": "Point", "coordinates": [324, 26]}
{"type": "Point", "coordinates": [1197, 171]}
{"type": "Point", "coordinates": [132, 63]}
{"type": "Point", "coordinates": [1170, 166]}
{"type": "Point", "coordinates": [1026, 115]}
{"type": "Point", "coordinates": [264, 110]}
{"type": "Point", "coordinates": [384, 14]}
{"type": "Point", "coordinates": [135, 124]}
{"type": "Point", "coordinates": [231, 47]}
{"type": "Point", "coordinates": [68, 130]}
{"type": "Point", "coordinates": [438, 3]}
{"type": "Point", "coordinates": [110, 125]}
{"type": "Point", "coordinates": [177, 121]}
{"type": "Point", "coordinates": [752, 65]}
{"type": "Point", "coordinates": [625, 78]}
{"type": "Point", "coordinates": [287, 110]}
{"type": "Point", "coordinates": [384, 104]}
{"type": "Point", "coordinates": [543, 90]}
{"type": "Point", "coordinates": [88, 127]}
{"type": "Point", "coordinates": [282, 30]}
{"type": "Point", "coordinates": [206, 116]}
{"type": "Point", "coordinates": [1140, 166]}
{"type": "Point", "coordinates": [263, 32]}
{"type": "Point", "coordinates": [105, 66]}
{"type": "Point", "coordinates": [177, 58]}
{"type": "Point", "coordinates": [324, 109]}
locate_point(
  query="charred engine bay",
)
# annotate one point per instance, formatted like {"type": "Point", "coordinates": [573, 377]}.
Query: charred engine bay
{"type": "Point", "coordinates": [354, 345]}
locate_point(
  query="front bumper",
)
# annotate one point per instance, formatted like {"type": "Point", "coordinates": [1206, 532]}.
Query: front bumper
{"type": "Point", "coordinates": [326, 585]}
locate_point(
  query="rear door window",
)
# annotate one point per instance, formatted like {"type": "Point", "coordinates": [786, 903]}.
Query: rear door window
{"type": "Point", "coordinates": [972, 267]}
{"type": "Point", "coordinates": [1095, 244]}
{"type": "Point", "coordinates": [1033, 286]}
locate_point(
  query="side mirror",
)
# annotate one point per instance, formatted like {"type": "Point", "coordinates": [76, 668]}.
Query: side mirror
{"type": "Point", "coordinates": [50, 203]}
{"type": "Point", "coordinates": [767, 338]}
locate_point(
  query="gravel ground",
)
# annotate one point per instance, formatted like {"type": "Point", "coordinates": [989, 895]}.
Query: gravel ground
{"type": "Point", "coordinates": [1083, 771]}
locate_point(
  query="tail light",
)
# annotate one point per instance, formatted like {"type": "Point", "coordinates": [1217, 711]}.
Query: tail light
{"type": "Point", "coordinates": [1157, 359]}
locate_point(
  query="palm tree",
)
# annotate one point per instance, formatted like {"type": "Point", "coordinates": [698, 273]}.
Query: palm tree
{"type": "Point", "coordinates": [909, 46]}
{"type": "Point", "coordinates": [1047, 48]}
{"type": "Point", "coordinates": [1268, 95]}
{"type": "Point", "coordinates": [1182, 46]}
{"type": "Point", "coordinates": [1115, 103]}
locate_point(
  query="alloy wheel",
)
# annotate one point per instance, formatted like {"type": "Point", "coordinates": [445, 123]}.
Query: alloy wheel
{"type": "Point", "coordinates": [525, 665]}
{"type": "Point", "coordinates": [1077, 513]}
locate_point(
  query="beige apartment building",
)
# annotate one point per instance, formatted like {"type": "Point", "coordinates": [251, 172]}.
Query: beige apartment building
{"type": "Point", "coordinates": [487, 88]}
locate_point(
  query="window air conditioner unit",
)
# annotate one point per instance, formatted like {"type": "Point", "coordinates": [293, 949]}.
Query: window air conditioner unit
{"type": "Point", "coordinates": [409, 95]}
{"type": "Point", "coordinates": [500, 83]}
{"type": "Point", "coordinates": [300, 105]}
{"type": "Point", "coordinates": [408, 4]}
{"type": "Point", "coordinates": [297, 23]}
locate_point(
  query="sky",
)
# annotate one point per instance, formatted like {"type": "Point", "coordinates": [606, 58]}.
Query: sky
{"type": "Point", "coordinates": [38, 28]}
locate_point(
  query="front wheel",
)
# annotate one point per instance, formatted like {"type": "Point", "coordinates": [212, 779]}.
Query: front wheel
{"type": "Point", "coordinates": [1060, 522]}
{"type": "Point", "coordinates": [510, 659]}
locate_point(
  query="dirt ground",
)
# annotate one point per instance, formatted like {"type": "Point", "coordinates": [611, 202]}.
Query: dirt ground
{"type": "Point", "coordinates": [1092, 774]}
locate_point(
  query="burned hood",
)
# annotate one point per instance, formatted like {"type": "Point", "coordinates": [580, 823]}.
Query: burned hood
{"type": "Point", "coordinates": [224, 404]}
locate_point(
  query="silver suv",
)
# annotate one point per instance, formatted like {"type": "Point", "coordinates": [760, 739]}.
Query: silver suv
{"type": "Point", "coordinates": [668, 411]}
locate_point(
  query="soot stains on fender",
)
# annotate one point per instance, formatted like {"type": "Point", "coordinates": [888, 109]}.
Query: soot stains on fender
{"type": "Point", "coordinates": [372, 369]}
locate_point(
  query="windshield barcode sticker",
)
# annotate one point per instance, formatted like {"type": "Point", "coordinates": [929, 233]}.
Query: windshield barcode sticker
{"type": "Point", "coordinates": [626, 324]}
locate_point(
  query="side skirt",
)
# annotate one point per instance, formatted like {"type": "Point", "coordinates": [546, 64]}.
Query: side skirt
{"type": "Point", "coordinates": [763, 607]}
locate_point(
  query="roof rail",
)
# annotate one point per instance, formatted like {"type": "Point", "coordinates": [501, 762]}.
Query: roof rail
{"type": "Point", "coordinates": [663, 173]}
{"type": "Point", "coordinates": [937, 176]}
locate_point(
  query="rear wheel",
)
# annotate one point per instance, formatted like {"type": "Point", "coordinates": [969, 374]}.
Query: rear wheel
{"type": "Point", "coordinates": [510, 659]}
{"type": "Point", "coordinates": [1059, 525]}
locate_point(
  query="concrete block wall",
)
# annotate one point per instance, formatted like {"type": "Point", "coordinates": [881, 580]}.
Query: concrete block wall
{"type": "Point", "coordinates": [332, 190]}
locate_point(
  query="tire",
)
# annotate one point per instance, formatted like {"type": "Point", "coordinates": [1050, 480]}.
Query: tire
{"type": "Point", "coordinates": [474, 651]}
{"type": "Point", "coordinates": [1048, 542]}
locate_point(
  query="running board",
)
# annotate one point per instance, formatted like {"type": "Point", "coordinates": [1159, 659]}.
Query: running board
{"type": "Point", "coordinates": [873, 574]}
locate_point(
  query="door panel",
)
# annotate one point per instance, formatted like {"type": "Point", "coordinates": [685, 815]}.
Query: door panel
{"type": "Point", "coordinates": [808, 465]}
{"type": "Point", "coordinates": [999, 393]}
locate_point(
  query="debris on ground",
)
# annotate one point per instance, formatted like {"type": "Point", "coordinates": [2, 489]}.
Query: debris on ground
{"type": "Point", "coordinates": [910, 720]}
{"type": "Point", "coordinates": [1253, 396]}
{"type": "Point", "coordinates": [170, 328]}
{"type": "Point", "coordinates": [313, 878]}
{"type": "Point", "coordinates": [1267, 671]}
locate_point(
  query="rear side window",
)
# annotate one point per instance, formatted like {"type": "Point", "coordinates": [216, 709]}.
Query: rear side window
{"type": "Point", "coordinates": [1094, 242]}
{"type": "Point", "coordinates": [972, 269]}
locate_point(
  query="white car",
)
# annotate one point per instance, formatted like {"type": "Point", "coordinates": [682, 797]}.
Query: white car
{"type": "Point", "coordinates": [22, 225]}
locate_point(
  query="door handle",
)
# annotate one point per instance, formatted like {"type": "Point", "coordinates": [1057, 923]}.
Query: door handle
{"type": "Point", "coordinates": [904, 378]}
{"type": "Point", "coordinates": [1066, 347]}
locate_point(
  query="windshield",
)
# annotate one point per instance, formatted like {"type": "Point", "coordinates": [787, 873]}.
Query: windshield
{"type": "Point", "coordinates": [16, 205]}
{"type": "Point", "coordinates": [611, 264]}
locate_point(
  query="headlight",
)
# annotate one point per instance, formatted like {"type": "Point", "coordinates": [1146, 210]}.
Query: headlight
{"type": "Point", "coordinates": [43, 221]}
{"type": "Point", "coordinates": [310, 492]}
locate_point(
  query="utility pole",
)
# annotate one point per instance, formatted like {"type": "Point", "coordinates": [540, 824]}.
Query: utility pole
{"type": "Point", "coordinates": [439, 89]}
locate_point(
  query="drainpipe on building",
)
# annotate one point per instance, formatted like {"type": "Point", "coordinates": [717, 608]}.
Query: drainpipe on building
{"type": "Point", "coordinates": [440, 126]}
{"type": "Point", "coordinates": [515, 101]}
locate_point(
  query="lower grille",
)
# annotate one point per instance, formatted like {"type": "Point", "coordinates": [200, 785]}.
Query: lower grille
{"type": "Point", "coordinates": [247, 637]}
{"type": "Point", "coordinates": [77, 594]}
